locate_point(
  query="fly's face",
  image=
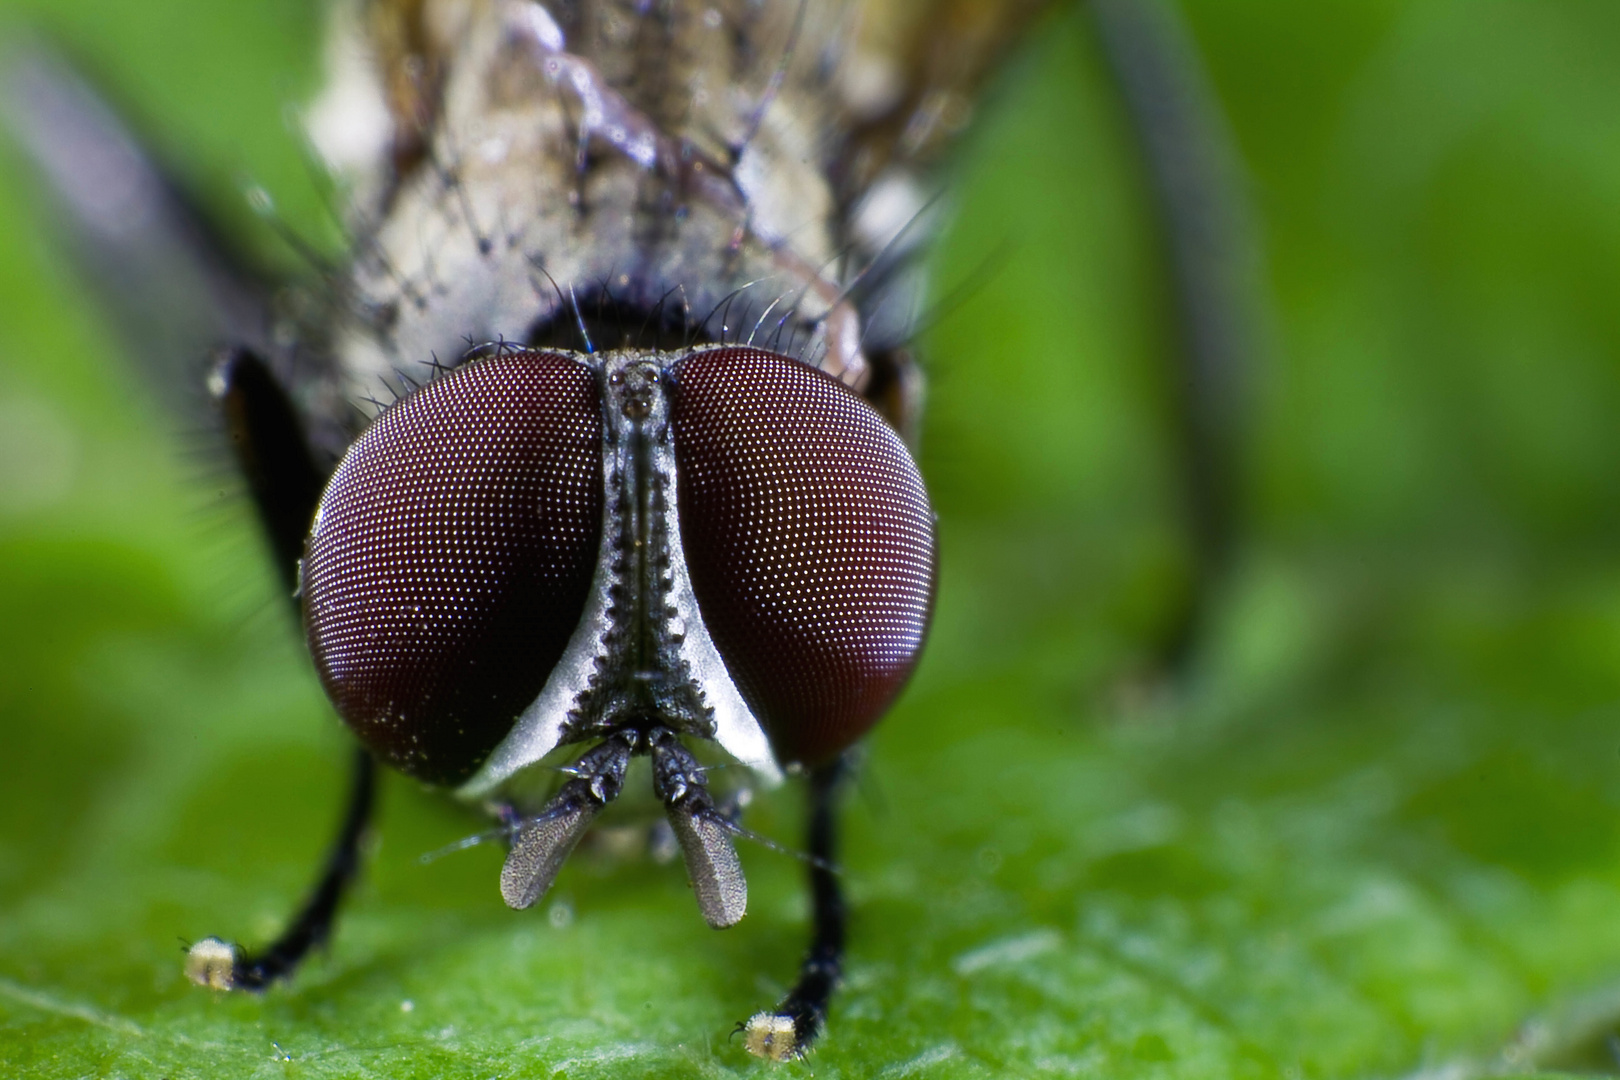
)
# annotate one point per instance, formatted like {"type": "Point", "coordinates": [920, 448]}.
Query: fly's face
{"type": "Point", "coordinates": [619, 550]}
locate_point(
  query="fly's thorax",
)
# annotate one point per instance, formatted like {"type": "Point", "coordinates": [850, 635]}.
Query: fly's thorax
{"type": "Point", "coordinates": [586, 153]}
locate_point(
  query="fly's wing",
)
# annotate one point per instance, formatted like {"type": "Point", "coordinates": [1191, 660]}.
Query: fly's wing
{"type": "Point", "coordinates": [197, 318]}
{"type": "Point", "coordinates": [174, 288]}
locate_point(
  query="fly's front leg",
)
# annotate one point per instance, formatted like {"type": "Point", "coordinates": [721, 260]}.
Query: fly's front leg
{"type": "Point", "coordinates": [220, 965]}
{"type": "Point", "coordinates": [268, 440]}
{"type": "Point", "coordinates": [267, 437]}
{"type": "Point", "coordinates": [788, 1031]}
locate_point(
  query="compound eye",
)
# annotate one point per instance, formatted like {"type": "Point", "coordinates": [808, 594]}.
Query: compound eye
{"type": "Point", "coordinates": [451, 557]}
{"type": "Point", "coordinates": [809, 540]}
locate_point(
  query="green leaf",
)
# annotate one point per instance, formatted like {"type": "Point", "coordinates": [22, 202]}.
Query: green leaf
{"type": "Point", "coordinates": [1377, 831]}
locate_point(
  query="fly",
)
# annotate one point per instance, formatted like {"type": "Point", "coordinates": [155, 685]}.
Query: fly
{"type": "Point", "coordinates": [594, 446]}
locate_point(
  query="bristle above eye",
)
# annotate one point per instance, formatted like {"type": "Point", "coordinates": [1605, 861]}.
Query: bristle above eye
{"type": "Point", "coordinates": [810, 543]}
{"type": "Point", "coordinates": [451, 557]}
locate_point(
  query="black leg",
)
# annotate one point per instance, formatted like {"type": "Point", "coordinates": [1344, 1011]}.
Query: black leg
{"type": "Point", "coordinates": [789, 1030]}
{"type": "Point", "coordinates": [268, 440]}
{"type": "Point", "coordinates": [1213, 258]}
{"type": "Point", "coordinates": [176, 287]}
{"type": "Point", "coordinates": [222, 966]}
{"type": "Point", "coordinates": [285, 482]}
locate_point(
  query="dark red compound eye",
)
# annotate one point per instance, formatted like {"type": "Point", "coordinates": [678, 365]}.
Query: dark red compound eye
{"type": "Point", "coordinates": [809, 540]}
{"type": "Point", "coordinates": [451, 558]}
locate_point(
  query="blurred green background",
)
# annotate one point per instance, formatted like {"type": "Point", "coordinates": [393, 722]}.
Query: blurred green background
{"type": "Point", "coordinates": [1376, 832]}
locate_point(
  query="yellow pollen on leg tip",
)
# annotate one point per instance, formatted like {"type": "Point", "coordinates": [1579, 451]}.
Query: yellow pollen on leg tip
{"type": "Point", "coordinates": [210, 963]}
{"type": "Point", "coordinates": [773, 1037]}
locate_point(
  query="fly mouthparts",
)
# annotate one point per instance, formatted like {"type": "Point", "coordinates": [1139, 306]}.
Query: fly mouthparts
{"type": "Point", "coordinates": [539, 851]}
{"type": "Point", "coordinates": [541, 844]}
{"type": "Point", "coordinates": [711, 864]}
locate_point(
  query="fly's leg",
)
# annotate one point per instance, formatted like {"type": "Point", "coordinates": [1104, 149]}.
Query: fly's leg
{"type": "Point", "coordinates": [1212, 255]}
{"type": "Point", "coordinates": [788, 1031]}
{"type": "Point", "coordinates": [223, 966]}
{"type": "Point", "coordinates": [268, 440]}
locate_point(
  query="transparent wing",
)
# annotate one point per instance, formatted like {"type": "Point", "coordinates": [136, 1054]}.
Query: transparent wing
{"type": "Point", "coordinates": [174, 286]}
